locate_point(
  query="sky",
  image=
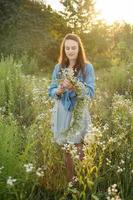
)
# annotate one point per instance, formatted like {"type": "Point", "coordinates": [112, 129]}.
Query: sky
{"type": "Point", "coordinates": [110, 10]}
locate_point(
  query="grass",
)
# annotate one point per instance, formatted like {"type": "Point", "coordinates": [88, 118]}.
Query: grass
{"type": "Point", "coordinates": [26, 137]}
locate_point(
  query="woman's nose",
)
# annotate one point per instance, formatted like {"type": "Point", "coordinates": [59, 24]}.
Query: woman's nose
{"type": "Point", "coordinates": [71, 50]}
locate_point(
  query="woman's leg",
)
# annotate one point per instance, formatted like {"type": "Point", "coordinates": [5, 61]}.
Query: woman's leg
{"type": "Point", "coordinates": [69, 166]}
{"type": "Point", "coordinates": [69, 161]}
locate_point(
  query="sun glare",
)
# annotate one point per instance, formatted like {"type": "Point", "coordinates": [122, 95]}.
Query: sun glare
{"type": "Point", "coordinates": [115, 10]}
{"type": "Point", "coordinates": [110, 10]}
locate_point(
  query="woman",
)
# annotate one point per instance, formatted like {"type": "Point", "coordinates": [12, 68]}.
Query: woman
{"type": "Point", "coordinates": [72, 56]}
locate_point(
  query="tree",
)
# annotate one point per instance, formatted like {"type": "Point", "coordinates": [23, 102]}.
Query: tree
{"type": "Point", "coordinates": [9, 11]}
{"type": "Point", "coordinates": [123, 46]}
{"type": "Point", "coordinates": [31, 28]}
{"type": "Point", "coordinates": [79, 14]}
{"type": "Point", "coordinates": [98, 45]}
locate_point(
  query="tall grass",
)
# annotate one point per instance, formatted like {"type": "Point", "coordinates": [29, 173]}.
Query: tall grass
{"type": "Point", "coordinates": [26, 139]}
{"type": "Point", "coordinates": [108, 155]}
{"type": "Point", "coordinates": [115, 80]}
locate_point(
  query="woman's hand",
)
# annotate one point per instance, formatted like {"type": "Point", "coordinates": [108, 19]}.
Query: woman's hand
{"type": "Point", "coordinates": [60, 90]}
{"type": "Point", "coordinates": [68, 85]}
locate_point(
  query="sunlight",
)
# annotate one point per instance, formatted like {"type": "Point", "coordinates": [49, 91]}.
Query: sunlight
{"type": "Point", "coordinates": [55, 4]}
{"type": "Point", "coordinates": [115, 10]}
{"type": "Point", "coordinates": [110, 10]}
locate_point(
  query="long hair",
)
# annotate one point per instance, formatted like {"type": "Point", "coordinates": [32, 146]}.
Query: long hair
{"type": "Point", "coordinates": [81, 58]}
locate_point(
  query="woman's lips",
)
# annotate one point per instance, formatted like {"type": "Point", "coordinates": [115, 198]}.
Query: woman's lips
{"type": "Point", "coordinates": [71, 54]}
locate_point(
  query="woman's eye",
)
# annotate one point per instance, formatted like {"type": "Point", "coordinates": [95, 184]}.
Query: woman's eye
{"type": "Point", "coordinates": [73, 48]}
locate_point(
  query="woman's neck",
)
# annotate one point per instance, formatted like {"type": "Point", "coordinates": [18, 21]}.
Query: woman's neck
{"type": "Point", "coordinates": [71, 63]}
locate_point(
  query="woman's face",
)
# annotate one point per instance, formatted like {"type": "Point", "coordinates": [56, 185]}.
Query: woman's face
{"type": "Point", "coordinates": [71, 49]}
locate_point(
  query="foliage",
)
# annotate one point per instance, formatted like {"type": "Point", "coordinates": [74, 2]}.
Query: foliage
{"type": "Point", "coordinates": [108, 156]}
{"type": "Point", "coordinates": [98, 45]}
{"type": "Point", "coordinates": [123, 43]}
{"type": "Point", "coordinates": [15, 94]}
{"type": "Point", "coordinates": [32, 29]}
{"type": "Point", "coordinates": [39, 171]}
{"type": "Point", "coordinates": [33, 32]}
{"type": "Point", "coordinates": [25, 139]}
{"type": "Point", "coordinates": [79, 14]}
{"type": "Point", "coordinates": [117, 79]}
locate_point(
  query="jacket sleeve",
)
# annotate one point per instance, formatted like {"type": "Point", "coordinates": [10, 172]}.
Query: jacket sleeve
{"type": "Point", "coordinates": [90, 80]}
{"type": "Point", "coordinates": [54, 83]}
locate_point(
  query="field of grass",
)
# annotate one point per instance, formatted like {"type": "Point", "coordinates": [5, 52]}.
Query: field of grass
{"type": "Point", "coordinates": [32, 165]}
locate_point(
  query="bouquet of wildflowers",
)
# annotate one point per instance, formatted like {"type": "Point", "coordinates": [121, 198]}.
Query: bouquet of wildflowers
{"type": "Point", "coordinates": [81, 103]}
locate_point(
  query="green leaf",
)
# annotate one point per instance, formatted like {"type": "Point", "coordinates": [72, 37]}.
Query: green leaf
{"type": "Point", "coordinates": [94, 197]}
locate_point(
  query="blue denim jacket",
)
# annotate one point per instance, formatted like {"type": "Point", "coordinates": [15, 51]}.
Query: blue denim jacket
{"type": "Point", "coordinates": [69, 97]}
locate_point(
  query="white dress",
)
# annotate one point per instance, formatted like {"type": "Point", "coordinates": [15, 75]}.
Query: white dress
{"type": "Point", "coordinates": [61, 120]}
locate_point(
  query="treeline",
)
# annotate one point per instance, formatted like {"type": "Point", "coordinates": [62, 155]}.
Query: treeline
{"type": "Point", "coordinates": [30, 29]}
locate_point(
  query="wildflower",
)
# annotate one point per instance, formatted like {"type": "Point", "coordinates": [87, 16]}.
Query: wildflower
{"type": "Point", "coordinates": [82, 100]}
{"type": "Point", "coordinates": [111, 140]}
{"type": "Point", "coordinates": [119, 170]}
{"type": "Point", "coordinates": [2, 109]}
{"type": "Point", "coordinates": [113, 193]}
{"type": "Point", "coordinates": [114, 185]}
{"type": "Point", "coordinates": [29, 167]}
{"type": "Point", "coordinates": [76, 157]}
{"type": "Point", "coordinates": [97, 130]}
{"type": "Point", "coordinates": [109, 190]}
{"type": "Point", "coordinates": [70, 184]}
{"type": "Point", "coordinates": [74, 179]}
{"type": "Point", "coordinates": [1, 168]}
{"type": "Point", "coordinates": [45, 167]}
{"type": "Point", "coordinates": [66, 147]}
{"type": "Point", "coordinates": [41, 116]}
{"type": "Point", "coordinates": [108, 161]}
{"type": "Point", "coordinates": [11, 181]}
{"type": "Point", "coordinates": [106, 127]}
{"type": "Point", "coordinates": [40, 172]}
{"type": "Point", "coordinates": [19, 65]}
{"type": "Point", "coordinates": [122, 161]}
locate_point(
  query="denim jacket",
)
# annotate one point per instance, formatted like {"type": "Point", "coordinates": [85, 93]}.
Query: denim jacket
{"type": "Point", "coordinates": [69, 97]}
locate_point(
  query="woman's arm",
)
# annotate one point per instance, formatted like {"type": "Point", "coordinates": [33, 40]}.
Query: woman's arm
{"type": "Point", "coordinates": [54, 89]}
{"type": "Point", "coordinates": [54, 84]}
{"type": "Point", "coordinates": [90, 80]}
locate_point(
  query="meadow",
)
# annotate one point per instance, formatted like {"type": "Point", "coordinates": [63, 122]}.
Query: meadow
{"type": "Point", "coordinates": [32, 165]}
